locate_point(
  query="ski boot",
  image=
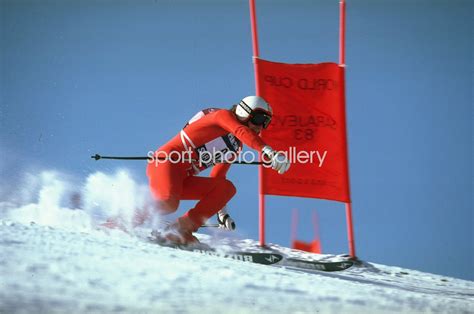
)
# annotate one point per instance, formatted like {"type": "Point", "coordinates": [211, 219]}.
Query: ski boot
{"type": "Point", "coordinates": [178, 233]}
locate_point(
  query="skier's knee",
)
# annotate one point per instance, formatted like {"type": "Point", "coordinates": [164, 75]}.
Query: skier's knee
{"type": "Point", "coordinates": [229, 188]}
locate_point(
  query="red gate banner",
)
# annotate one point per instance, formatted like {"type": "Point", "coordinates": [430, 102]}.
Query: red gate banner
{"type": "Point", "coordinates": [309, 125]}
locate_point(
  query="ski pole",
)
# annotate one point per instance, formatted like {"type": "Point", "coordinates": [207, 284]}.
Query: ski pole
{"type": "Point", "coordinates": [98, 157]}
{"type": "Point", "coordinates": [210, 225]}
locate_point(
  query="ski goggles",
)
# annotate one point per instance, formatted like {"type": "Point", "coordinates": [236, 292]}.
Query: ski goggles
{"type": "Point", "coordinates": [260, 118]}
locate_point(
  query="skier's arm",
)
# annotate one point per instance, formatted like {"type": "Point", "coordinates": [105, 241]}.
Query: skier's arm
{"type": "Point", "coordinates": [229, 122]}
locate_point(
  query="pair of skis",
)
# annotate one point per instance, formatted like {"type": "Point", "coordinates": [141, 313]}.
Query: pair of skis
{"type": "Point", "coordinates": [264, 258]}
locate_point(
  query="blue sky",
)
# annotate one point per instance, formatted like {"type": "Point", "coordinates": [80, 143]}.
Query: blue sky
{"type": "Point", "coordinates": [80, 77]}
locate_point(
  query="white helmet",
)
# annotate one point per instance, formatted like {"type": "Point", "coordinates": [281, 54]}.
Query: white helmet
{"type": "Point", "coordinates": [254, 109]}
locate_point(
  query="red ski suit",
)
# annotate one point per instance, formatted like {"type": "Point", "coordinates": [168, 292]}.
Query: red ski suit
{"type": "Point", "coordinates": [171, 182]}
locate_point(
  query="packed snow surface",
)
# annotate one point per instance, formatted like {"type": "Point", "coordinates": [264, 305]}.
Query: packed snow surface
{"type": "Point", "coordinates": [48, 269]}
{"type": "Point", "coordinates": [55, 258]}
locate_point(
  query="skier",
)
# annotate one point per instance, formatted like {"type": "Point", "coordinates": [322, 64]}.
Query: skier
{"type": "Point", "coordinates": [209, 137]}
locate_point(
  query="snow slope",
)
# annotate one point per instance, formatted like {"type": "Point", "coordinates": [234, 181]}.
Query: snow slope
{"type": "Point", "coordinates": [54, 259]}
{"type": "Point", "coordinates": [48, 269]}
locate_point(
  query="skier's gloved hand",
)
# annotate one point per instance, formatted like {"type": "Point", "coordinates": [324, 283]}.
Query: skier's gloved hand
{"type": "Point", "coordinates": [278, 160]}
{"type": "Point", "coordinates": [224, 220]}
